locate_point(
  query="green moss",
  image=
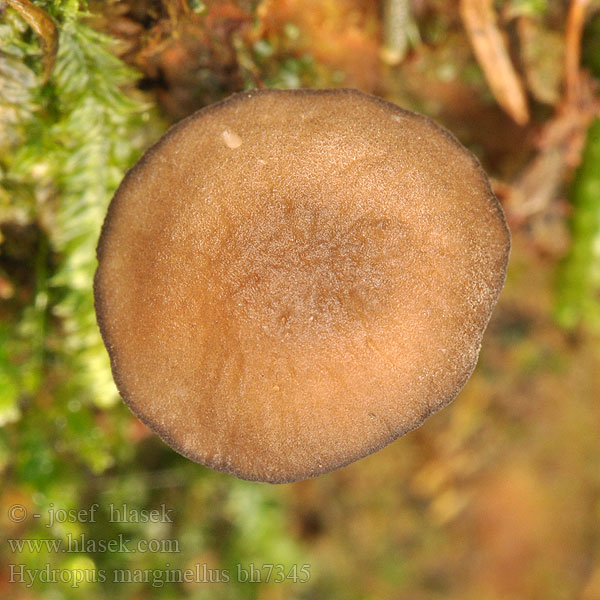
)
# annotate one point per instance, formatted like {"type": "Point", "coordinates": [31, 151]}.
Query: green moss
{"type": "Point", "coordinates": [578, 297]}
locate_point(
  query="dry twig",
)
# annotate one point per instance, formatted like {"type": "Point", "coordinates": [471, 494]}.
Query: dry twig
{"type": "Point", "coordinates": [480, 22]}
{"type": "Point", "coordinates": [46, 30]}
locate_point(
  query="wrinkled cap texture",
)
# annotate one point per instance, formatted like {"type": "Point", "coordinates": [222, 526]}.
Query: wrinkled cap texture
{"type": "Point", "coordinates": [290, 280]}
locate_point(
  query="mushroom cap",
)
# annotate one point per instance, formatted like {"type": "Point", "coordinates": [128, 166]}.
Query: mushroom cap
{"type": "Point", "coordinates": [290, 280]}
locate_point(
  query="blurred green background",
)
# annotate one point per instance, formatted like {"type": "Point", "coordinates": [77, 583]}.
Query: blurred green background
{"type": "Point", "coordinates": [496, 497]}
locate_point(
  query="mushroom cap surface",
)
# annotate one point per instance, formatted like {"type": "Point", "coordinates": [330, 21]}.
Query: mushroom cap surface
{"type": "Point", "coordinates": [290, 280]}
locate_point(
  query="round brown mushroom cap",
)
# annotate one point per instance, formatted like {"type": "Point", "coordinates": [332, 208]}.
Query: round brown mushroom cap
{"type": "Point", "coordinates": [290, 280]}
